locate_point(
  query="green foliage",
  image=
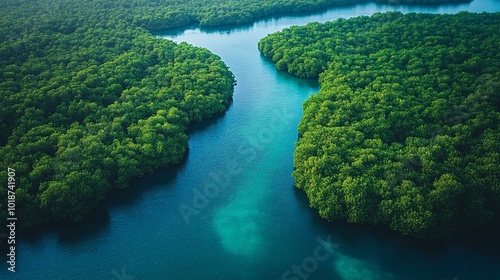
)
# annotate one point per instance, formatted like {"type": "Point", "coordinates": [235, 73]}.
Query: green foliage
{"type": "Point", "coordinates": [405, 130]}
{"type": "Point", "coordinates": [89, 102]}
{"type": "Point", "coordinates": [87, 93]}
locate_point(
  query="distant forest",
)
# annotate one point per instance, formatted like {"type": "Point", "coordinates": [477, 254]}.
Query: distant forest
{"type": "Point", "coordinates": [405, 130]}
{"type": "Point", "coordinates": [90, 98]}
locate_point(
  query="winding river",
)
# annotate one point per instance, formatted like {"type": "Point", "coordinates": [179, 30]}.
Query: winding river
{"type": "Point", "coordinates": [230, 210]}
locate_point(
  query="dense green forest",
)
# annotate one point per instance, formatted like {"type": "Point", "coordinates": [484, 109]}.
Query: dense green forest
{"type": "Point", "coordinates": [405, 130]}
{"type": "Point", "coordinates": [88, 103]}
{"type": "Point", "coordinates": [163, 14]}
{"type": "Point", "coordinates": [91, 99]}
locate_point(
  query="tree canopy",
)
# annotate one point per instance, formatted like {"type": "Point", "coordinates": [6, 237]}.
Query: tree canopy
{"type": "Point", "coordinates": [405, 130]}
{"type": "Point", "coordinates": [89, 102]}
{"type": "Point", "coordinates": [91, 99]}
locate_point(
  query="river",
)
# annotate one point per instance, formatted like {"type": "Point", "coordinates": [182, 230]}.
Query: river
{"type": "Point", "coordinates": [230, 210]}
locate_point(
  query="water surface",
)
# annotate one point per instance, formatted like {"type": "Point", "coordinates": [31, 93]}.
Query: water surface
{"type": "Point", "coordinates": [230, 210]}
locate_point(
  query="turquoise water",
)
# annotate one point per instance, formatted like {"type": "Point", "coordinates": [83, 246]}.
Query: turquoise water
{"type": "Point", "coordinates": [230, 210]}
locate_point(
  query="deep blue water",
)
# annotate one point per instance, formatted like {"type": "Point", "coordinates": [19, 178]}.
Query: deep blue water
{"type": "Point", "coordinates": [230, 210]}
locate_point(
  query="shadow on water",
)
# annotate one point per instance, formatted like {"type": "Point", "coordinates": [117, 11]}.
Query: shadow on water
{"type": "Point", "coordinates": [197, 127]}
{"type": "Point", "coordinates": [482, 241]}
{"type": "Point", "coordinates": [229, 29]}
{"type": "Point", "coordinates": [94, 225]}
{"type": "Point", "coordinates": [289, 78]}
{"type": "Point", "coordinates": [195, 27]}
{"type": "Point", "coordinates": [313, 12]}
{"type": "Point", "coordinates": [361, 248]}
{"type": "Point", "coordinates": [70, 232]}
{"type": "Point", "coordinates": [163, 177]}
{"type": "Point", "coordinates": [97, 221]}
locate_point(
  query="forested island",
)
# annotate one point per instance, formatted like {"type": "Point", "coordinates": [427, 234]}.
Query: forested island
{"type": "Point", "coordinates": [405, 129]}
